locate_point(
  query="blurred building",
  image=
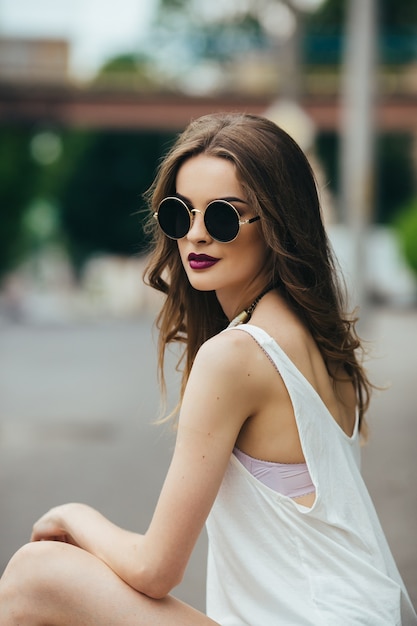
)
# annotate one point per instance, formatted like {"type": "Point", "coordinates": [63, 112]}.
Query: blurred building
{"type": "Point", "coordinates": [34, 60]}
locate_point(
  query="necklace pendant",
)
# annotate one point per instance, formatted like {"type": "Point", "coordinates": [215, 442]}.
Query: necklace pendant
{"type": "Point", "coordinates": [242, 318]}
{"type": "Point", "coordinates": [246, 314]}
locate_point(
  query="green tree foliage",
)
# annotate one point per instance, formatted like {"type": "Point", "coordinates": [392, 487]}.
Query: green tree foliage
{"type": "Point", "coordinates": [397, 28]}
{"type": "Point", "coordinates": [395, 178]}
{"type": "Point", "coordinates": [128, 70]}
{"type": "Point", "coordinates": [323, 28]}
{"type": "Point", "coordinates": [398, 15]}
{"type": "Point", "coordinates": [102, 206]}
{"type": "Point", "coordinates": [29, 180]}
{"type": "Point", "coordinates": [173, 4]}
{"type": "Point", "coordinates": [91, 191]}
{"type": "Point", "coordinates": [18, 179]}
{"type": "Point", "coordinates": [407, 228]}
{"type": "Point", "coordinates": [186, 31]}
{"type": "Point", "coordinates": [330, 16]}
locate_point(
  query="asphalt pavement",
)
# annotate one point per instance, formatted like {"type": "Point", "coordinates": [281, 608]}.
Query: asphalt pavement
{"type": "Point", "coordinates": [77, 405]}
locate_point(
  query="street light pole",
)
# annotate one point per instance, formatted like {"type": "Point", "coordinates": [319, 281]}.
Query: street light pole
{"type": "Point", "coordinates": [357, 138]}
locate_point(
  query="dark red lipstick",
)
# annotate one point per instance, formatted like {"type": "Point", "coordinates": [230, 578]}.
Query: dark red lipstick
{"type": "Point", "coordinates": [201, 261]}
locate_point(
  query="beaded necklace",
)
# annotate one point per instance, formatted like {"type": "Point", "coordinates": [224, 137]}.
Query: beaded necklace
{"type": "Point", "coordinates": [245, 315]}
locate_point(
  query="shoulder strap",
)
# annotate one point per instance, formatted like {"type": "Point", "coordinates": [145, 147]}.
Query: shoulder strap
{"type": "Point", "coordinates": [274, 351]}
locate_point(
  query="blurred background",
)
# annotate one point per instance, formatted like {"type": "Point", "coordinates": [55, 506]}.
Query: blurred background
{"type": "Point", "coordinates": [92, 95]}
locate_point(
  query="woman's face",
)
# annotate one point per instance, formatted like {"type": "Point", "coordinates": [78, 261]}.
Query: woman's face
{"type": "Point", "coordinates": [235, 270]}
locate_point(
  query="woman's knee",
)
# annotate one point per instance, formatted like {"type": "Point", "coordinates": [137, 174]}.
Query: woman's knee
{"type": "Point", "coordinates": [29, 578]}
{"type": "Point", "coordinates": [30, 559]}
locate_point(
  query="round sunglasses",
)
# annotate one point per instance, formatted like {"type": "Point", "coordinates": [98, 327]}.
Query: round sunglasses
{"type": "Point", "coordinates": [221, 219]}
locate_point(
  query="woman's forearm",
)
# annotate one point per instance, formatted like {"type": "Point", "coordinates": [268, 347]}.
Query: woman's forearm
{"type": "Point", "coordinates": [125, 552]}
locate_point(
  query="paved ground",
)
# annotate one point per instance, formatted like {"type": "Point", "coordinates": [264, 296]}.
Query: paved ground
{"type": "Point", "coordinates": [76, 410]}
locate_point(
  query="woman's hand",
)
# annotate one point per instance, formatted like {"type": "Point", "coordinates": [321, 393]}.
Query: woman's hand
{"type": "Point", "coordinates": [54, 525]}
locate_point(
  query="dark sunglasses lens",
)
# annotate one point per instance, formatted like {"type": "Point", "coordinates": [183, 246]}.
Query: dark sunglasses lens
{"type": "Point", "coordinates": [173, 218]}
{"type": "Point", "coordinates": [222, 221]}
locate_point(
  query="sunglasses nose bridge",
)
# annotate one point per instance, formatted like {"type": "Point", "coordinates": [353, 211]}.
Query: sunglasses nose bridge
{"type": "Point", "coordinates": [198, 225]}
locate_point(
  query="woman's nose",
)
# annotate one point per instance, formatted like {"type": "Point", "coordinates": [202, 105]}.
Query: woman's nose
{"type": "Point", "coordinates": [198, 231]}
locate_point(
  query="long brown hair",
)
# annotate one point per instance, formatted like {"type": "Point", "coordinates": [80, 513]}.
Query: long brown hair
{"type": "Point", "coordinates": [281, 188]}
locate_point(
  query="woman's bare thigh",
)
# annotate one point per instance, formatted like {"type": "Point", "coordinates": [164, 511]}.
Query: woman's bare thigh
{"type": "Point", "coordinates": [58, 584]}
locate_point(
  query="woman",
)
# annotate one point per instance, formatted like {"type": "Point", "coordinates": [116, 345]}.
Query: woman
{"type": "Point", "coordinates": [267, 447]}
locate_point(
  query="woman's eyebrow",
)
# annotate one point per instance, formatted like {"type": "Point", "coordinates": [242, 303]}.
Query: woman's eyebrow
{"type": "Point", "coordinates": [233, 199]}
{"type": "Point", "coordinates": [183, 198]}
{"type": "Point", "coordinates": [227, 199]}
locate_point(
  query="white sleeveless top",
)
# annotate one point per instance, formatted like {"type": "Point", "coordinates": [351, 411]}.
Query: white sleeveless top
{"type": "Point", "coordinates": [274, 562]}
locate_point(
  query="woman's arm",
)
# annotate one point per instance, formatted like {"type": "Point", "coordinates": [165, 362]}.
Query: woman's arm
{"type": "Point", "coordinates": [220, 395]}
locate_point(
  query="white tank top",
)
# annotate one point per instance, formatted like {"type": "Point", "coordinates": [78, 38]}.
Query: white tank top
{"type": "Point", "coordinates": [274, 562]}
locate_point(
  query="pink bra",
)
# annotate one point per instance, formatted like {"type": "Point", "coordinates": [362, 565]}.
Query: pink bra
{"type": "Point", "coordinates": [289, 479]}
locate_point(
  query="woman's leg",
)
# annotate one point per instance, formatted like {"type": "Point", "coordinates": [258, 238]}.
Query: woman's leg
{"type": "Point", "coordinates": [55, 584]}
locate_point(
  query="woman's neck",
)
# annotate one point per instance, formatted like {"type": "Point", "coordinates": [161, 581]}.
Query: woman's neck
{"type": "Point", "coordinates": [237, 306]}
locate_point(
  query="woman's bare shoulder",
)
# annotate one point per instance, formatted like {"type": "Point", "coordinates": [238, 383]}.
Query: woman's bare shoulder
{"type": "Point", "coordinates": [228, 347]}
{"type": "Point", "coordinates": [224, 383]}
{"type": "Point", "coordinates": [227, 360]}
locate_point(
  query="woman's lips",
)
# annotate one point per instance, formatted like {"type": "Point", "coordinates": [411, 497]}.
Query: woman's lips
{"type": "Point", "coordinates": [201, 261]}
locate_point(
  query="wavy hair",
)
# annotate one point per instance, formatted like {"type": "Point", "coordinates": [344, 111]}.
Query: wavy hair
{"type": "Point", "coordinates": [280, 187]}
